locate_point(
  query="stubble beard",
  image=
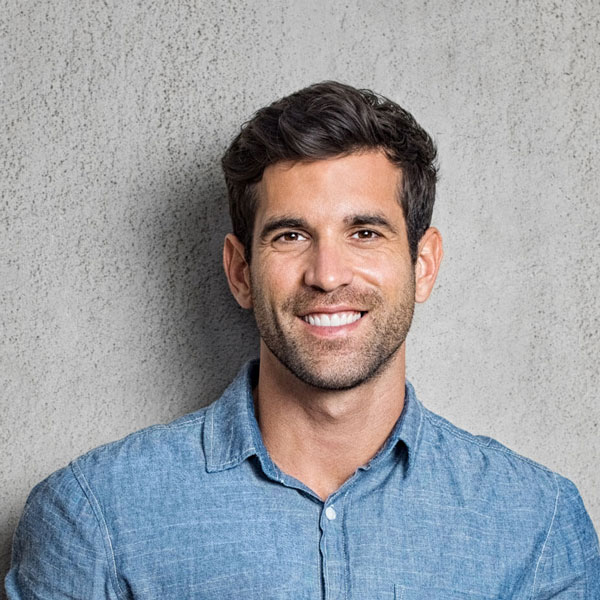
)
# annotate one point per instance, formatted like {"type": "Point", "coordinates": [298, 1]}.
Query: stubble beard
{"type": "Point", "coordinates": [336, 364]}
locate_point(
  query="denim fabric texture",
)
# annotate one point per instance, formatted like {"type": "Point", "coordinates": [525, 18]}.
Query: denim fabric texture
{"type": "Point", "coordinates": [198, 510]}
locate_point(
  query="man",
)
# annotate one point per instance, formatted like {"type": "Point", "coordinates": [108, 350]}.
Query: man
{"type": "Point", "coordinates": [318, 473]}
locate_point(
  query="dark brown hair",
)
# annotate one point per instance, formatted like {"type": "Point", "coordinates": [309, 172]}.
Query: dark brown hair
{"type": "Point", "coordinates": [322, 121]}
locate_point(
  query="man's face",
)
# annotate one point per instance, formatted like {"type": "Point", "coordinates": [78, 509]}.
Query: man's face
{"type": "Point", "coordinates": [332, 282]}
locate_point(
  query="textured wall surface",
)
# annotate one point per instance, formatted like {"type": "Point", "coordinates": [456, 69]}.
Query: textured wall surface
{"type": "Point", "coordinates": [114, 312]}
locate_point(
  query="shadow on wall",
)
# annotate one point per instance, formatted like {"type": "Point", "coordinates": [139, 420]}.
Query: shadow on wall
{"type": "Point", "coordinates": [209, 336]}
{"type": "Point", "coordinates": [199, 335]}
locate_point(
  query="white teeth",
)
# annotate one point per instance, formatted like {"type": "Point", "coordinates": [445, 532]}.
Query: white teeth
{"type": "Point", "coordinates": [332, 319]}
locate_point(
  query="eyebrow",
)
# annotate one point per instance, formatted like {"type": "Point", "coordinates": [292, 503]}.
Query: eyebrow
{"type": "Point", "coordinates": [369, 219]}
{"type": "Point", "coordinates": [357, 220]}
{"type": "Point", "coordinates": [276, 224]}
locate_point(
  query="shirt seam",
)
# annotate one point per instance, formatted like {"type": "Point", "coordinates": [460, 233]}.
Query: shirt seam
{"type": "Point", "coordinates": [472, 440]}
{"type": "Point", "coordinates": [142, 432]}
{"type": "Point", "coordinates": [412, 457]}
{"type": "Point", "coordinates": [537, 566]}
{"type": "Point", "coordinates": [576, 498]}
{"type": "Point", "coordinates": [236, 460]}
{"type": "Point", "coordinates": [101, 522]}
{"type": "Point", "coordinates": [212, 438]}
{"type": "Point", "coordinates": [172, 425]}
{"type": "Point", "coordinates": [187, 423]}
{"type": "Point", "coordinates": [346, 505]}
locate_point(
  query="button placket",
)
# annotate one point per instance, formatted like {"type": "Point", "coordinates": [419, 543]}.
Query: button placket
{"type": "Point", "coordinates": [332, 551]}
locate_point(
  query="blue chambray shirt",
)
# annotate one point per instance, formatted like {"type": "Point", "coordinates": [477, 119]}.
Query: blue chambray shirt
{"type": "Point", "coordinates": [197, 509]}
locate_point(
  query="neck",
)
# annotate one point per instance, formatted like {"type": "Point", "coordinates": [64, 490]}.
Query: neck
{"type": "Point", "coordinates": [321, 437]}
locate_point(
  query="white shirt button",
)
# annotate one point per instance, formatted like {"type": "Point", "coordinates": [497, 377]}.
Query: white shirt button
{"type": "Point", "coordinates": [330, 513]}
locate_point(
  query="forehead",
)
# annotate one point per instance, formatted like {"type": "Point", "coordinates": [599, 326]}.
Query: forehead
{"type": "Point", "coordinates": [331, 187]}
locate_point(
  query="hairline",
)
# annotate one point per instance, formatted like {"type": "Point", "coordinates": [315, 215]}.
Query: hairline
{"type": "Point", "coordinates": [252, 188]}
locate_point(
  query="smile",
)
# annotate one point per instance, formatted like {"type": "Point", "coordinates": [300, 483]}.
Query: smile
{"type": "Point", "coordinates": [332, 319]}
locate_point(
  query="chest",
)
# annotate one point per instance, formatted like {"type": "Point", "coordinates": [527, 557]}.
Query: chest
{"type": "Point", "coordinates": [267, 541]}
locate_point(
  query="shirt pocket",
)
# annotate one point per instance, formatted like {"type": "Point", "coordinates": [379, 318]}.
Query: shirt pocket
{"type": "Point", "coordinates": [412, 593]}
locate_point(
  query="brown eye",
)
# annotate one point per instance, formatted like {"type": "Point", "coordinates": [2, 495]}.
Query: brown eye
{"type": "Point", "coordinates": [366, 234]}
{"type": "Point", "coordinates": [290, 236]}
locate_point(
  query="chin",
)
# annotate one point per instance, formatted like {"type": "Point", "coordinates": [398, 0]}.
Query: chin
{"type": "Point", "coordinates": [334, 380]}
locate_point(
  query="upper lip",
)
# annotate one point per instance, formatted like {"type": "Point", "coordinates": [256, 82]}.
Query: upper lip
{"type": "Point", "coordinates": [330, 310]}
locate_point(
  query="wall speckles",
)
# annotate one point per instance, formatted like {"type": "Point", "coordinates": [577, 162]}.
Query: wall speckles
{"type": "Point", "coordinates": [114, 312]}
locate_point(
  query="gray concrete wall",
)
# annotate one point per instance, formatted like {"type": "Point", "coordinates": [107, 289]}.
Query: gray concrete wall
{"type": "Point", "coordinates": [114, 312]}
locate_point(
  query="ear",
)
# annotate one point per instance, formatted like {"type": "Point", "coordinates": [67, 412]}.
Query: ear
{"type": "Point", "coordinates": [428, 262]}
{"type": "Point", "coordinates": [237, 270]}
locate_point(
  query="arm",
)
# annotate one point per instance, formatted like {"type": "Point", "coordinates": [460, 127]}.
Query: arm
{"type": "Point", "coordinates": [61, 549]}
{"type": "Point", "coordinates": [569, 565]}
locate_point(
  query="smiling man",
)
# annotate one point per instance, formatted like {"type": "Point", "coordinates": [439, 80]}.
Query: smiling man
{"type": "Point", "coordinates": [318, 473]}
{"type": "Point", "coordinates": [333, 287]}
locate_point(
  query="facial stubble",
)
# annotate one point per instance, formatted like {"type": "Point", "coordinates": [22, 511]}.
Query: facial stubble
{"type": "Point", "coordinates": [335, 364]}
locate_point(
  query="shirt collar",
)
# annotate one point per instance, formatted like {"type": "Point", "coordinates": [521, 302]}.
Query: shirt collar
{"type": "Point", "coordinates": [231, 432]}
{"type": "Point", "coordinates": [228, 430]}
{"type": "Point", "coordinates": [406, 431]}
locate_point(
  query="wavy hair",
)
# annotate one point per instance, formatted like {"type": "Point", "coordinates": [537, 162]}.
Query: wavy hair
{"type": "Point", "coordinates": [322, 121]}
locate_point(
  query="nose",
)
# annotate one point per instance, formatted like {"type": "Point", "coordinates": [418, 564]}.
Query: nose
{"type": "Point", "coordinates": [329, 267]}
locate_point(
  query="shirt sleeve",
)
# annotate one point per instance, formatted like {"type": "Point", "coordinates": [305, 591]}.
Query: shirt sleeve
{"type": "Point", "coordinates": [60, 550]}
{"type": "Point", "coordinates": [569, 565]}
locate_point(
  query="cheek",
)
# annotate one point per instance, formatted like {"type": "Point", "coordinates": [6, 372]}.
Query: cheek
{"type": "Point", "coordinates": [273, 281]}
{"type": "Point", "coordinates": [385, 271]}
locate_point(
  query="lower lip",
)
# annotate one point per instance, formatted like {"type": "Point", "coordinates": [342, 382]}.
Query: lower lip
{"type": "Point", "coordinates": [330, 332]}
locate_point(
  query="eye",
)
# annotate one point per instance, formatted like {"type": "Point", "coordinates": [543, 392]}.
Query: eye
{"type": "Point", "coordinates": [365, 234]}
{"type": "Point", "coordinates": [290, 236]}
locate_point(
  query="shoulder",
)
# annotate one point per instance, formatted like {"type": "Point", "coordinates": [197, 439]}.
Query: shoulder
{"type": "Point", "coordinates": [523, 502]}
{"type": "Point", "coordinates": [59, 493]}
{"type": "Point", "coordinates": [158, 447]}
{"type": "Point", "coordinates": [60, 543]}
{"type": "Point", "coordinates": [67, 533]}
{"type": "Point", "coordinates": [444, 432]}
{"type": "Point", "coordinates": [484, 465]}
{"type": "Point", "coordinates": [118, 465]}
